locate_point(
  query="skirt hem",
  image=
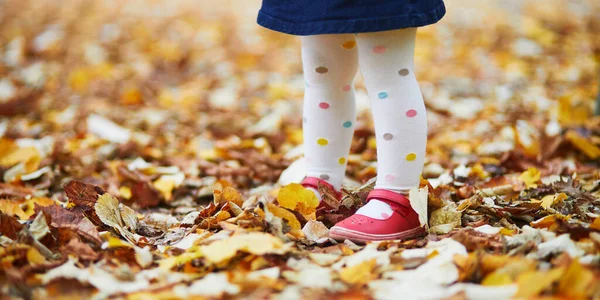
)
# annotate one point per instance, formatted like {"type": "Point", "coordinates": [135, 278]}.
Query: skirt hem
{"type": "Point", "coordinates": [351, 26]}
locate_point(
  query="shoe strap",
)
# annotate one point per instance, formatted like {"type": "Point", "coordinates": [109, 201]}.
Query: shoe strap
{"type": "Point", "coordinates": [313, 182]}
{"type": "Point", "coordinates": [398, 202]}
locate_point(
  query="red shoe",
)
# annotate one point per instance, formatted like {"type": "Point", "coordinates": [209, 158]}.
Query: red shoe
{"type": "Point", "coordinates": [401, 225]}
{"type": "Point", "coordinates": [326, 203]}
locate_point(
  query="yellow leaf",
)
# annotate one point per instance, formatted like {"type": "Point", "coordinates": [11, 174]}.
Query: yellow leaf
{"type": "Point", "coordinates": [506, 231]}
{"type": "Point", "coordinates": [286, 215]}
{"type": "Point", "coordinates": [547, 201]}
{"type": "Point", "coordinates": [34, 257]}
{"type": "Point", "coordinates": [165, 186]}
{"type": "Point", "coordinates": [532, 283]}
{"type": "Point", "coordinates": [479, 171]}
{"type": "Point", "coordinates": [79, 80]}
{"type": "Point", "coordinates": [6, 147]}
{"type": "Point", "coordinates": [530, 177]}
{"type": "Point", "coordinates": [294, 196]}
{"type": "Point", "coordinates": [170, 262]}
{"type": "Point", "coordinates": [550, 200]}
{"type": "Point", "coordinates": [125, 192]}
{"type": "Point", "coordinates": [497, 278]}
{"type": "Point", "coordinates": [222, 216]}
{"type": "Point", "coordinates": [29, 205]}
{"type": "Point", "coordinates": [359, 274]}
{"type": "Point", "coordinates": [595, 224]}
{"type": "Point", "coordinates": [572, 114]}
{"type": "Point", "coordinates": [257, 243]}
{"type": "Point", "coordinates": [131, 96]}
{"type": "Point", "coordinates": [527, 138]}
{"type": "Point", "coordinates": [371, 144]}
{"type": "Point", "coordinates": [114, 242]}
{"type": "Point", "coordinates": [588, 148]}
{"type": "Point", "coordinates": [576, 281]}
{"type": "Point", "coordinates": [28, 155]}
{"type": "Point", "coordinates": [232, 195]}
{"type": "Point", "coordinates": [12, 208]}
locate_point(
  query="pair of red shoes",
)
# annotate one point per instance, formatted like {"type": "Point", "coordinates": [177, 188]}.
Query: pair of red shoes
{"type": "Point", "coordinates": [402, 224]}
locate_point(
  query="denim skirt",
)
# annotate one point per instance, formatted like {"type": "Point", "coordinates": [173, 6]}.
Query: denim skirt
{"type": "Point", "coordinates": [310, 17]}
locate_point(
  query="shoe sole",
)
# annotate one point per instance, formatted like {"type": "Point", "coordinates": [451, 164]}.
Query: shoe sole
{"type": "Point", "coordinates": [339, 233]}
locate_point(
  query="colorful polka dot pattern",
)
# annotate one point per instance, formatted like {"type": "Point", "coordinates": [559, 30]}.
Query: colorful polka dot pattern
{"type": "Point", "coordinates": [410, 113]}
{"type": "Point", "coordinates": [379, 49]}
{"type": "Point", "coordinates": [349, 44]}
{"type": "Point", "coordinates": [321, 70]}
{"type": "Point", "coordinates": [322, 142]}
{"type": "Point", "coordinates": [389, 178]}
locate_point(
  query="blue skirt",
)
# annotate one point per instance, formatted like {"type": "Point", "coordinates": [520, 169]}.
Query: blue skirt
{"type": "Point", "coordinates": [309, 17]}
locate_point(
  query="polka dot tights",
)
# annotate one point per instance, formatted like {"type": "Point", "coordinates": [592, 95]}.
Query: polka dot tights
{"type": "Point", "coordinates": [386, 62]}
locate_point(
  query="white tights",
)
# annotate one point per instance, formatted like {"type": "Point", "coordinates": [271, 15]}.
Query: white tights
{"type": "Point", "coordinates": [386, 62]}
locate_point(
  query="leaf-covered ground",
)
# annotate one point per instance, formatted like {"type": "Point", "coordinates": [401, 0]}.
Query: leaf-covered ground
{"type": "Point", "coordinates": [149, 149]}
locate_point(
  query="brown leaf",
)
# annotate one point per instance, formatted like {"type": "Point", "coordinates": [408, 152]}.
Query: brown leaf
{"type": "Point", "coordinates": [58, 217]}
{"type": "Point", "coordinates": [145, 195]}
{"type": "Point", "coordinates": [79, 249]}
{"type": "Point", "coordinates": [83, 194]}
{"type": "Point", "coordinates": [12, 191]}
{"type": "Point", "coordinates": [9, 226]}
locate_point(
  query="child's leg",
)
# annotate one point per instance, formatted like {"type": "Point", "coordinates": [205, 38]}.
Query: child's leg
{"type": "Point", "coordinates": [386, 62]}
{"type": "Point", "coordinates": [330, 63]}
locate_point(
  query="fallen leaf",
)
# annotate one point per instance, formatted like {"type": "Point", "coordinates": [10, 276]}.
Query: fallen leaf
{"type": "Point", "coordinates": [39, 228]}
{"type": "Point", "coordinates": [255, 243]}
{"type": "Point", "coordinates": [495, 279]}
{"type": "Point", "coordinates": [588, 148]}
{"type": "Point", "coordinates": [35, 257]}
{"type": "Point", "coordinates": [576, 281]}
{"type": "Point", "coordinates": [595, 224]}
{"type": "Point", "coordinates": [116, 215]}
{"type": "Point", "coordinates": [285, 215]}
{"type": "Point", "coordinates": [58, 217]}
{"type": "Point", "coordinates": [532, 283]}
{"type": "Point", "coordinates": [12, 208]}
{"type": "Point", "coordinates": [9, 226]}
{"type": "Point", "coordinates": [295, 197]}
{"type": "Point", "coordinates": [359, 274]}
{"type": "Point", "coordinates": [530, 177]}
{"type": "Point", "coordinates": [444, 219]}
{"type": "Point", "coordinates": [81, 250]}
{"type": "Point", "coordinates": [83, 194]}
{"type": "Point", "coordinates": [550, 200]}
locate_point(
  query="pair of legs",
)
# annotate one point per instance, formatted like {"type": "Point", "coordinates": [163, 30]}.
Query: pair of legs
{"type": "Point", "coordinates": [386, 62]}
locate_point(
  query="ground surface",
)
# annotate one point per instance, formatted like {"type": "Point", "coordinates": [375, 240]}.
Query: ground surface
{"type": "Point", "coordinates": [146, 149]}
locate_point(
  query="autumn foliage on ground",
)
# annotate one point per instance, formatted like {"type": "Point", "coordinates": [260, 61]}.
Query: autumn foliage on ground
{"type": "Point", "coordinates": [152, 149]}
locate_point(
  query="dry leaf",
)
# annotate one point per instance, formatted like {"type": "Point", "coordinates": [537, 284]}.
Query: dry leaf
{"type": "Point", "coordinates": [530, 177]}
{"type": "Point", "coordinates": [255, 243]}
{"type": "Point", "coordinates": [295, 197]}
{"type": "Point", "coordinates": [359, 274]}
{"type": "Point", "coordinates": [532, 283]}
{"type": "Point", "coordinates": [118, 216]}
{"type": "Point", "coordinates": [285, 215]}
